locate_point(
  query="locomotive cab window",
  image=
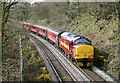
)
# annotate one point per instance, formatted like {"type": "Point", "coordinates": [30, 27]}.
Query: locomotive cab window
{"type": "Point", "coordinates": [77, 41]}
{"type": "Point", "coordinates": [82, 40]}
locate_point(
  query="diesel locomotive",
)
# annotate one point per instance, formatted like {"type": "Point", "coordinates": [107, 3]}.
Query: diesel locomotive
{"type": "Point", "coordinates": [77, 47]}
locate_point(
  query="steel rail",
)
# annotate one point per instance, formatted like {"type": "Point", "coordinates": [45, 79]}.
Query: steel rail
{"type": "Point", "coordinates": [65, 68]}
{"type": "Point", "coordinates": [92, 80]}
{"type": "Point", "coordinates": [86, 75]}
{"type": "Point", "coordinates": [59, 78]}
{"type": "Point", "coordinates": [60, 63]}
{"type": "Point", "coordinates": [52, 66]}
{"type": "Point", "coordinates": [102, 75]}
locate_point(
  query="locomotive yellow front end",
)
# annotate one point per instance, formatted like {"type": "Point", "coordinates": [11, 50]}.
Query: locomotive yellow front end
{"type": "Point", "coordinates": [84, 55]}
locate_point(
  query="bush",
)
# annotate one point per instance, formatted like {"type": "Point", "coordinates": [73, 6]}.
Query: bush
{"type": "Point", "coordinates": [34, 68]}
{"type": "Point", "coordinates": [44, 78]}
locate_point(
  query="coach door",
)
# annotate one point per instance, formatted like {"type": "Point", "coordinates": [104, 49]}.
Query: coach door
{"type": "Point", "coordinates": [46, 34]}
{"type": "Point", "coordinates": [37, 29]}
{"type": "Point", "coordinates": [29, 27]}
{"type": "Point", "coordinates": [57, 39]}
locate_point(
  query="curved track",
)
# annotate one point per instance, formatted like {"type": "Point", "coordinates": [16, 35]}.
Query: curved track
{"type": "Point", "coordinates": [92, 75]}
{"type": "Point", "coordinates": [88, 72]}
{"type": "Point", "coordinates": [62, 73]}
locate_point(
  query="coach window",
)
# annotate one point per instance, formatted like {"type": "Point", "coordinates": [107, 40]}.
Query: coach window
{"type": "Point", "coordinates": [54, 36]}
{"type": "Point", "coordinates": [33, 27]}
{"type": "Point", "coordinates": [44, 31]}
{"type": "Point", "coordinates": [40, 30]}
{"type": "Point", "coordinates": [49, 33]}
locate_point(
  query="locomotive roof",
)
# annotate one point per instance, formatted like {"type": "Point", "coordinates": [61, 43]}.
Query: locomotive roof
{"type": "Point", "coordinates": [54, 30]}
{"type": "Point", "coordinates": [70, 36]}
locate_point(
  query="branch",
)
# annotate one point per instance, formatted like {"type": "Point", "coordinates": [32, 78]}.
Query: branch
{"type": "Point", "coordinates": [6, 11]}
{"type": "Point", "coordinates": [13, 3]}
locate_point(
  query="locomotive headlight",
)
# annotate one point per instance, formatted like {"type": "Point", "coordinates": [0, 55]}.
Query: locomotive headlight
{"type": "Point", "coordinates": [77, 55]}
{"type": "Point", "coordinates": [91, 55]}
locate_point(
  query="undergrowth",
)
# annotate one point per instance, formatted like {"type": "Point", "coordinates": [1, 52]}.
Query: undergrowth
{"type": "Point", "coordinates": [34, 68]}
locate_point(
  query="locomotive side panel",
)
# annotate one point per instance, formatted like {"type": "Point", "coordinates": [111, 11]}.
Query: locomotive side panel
{"type": "Point", "coordinates": [65, 44]}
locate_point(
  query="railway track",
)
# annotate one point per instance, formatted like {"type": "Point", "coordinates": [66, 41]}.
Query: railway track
{"type": "Point", "coordinates": [62, 73]}
{"type": "Point", "coordinates": [89, 73]}
{"type": "Point", "coordinates": [92, 75]}
{"type": "Point", "coordinates": [51, 64]}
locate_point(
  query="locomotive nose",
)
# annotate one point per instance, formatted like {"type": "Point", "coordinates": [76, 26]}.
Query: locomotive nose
{"type": "Point", "coordinates": [84, 51]}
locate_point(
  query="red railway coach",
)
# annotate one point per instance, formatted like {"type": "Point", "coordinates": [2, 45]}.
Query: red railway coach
{"type": "Point", "coordinates": [26, 25]}
{"type": "Point", "coordinates": [53, 34]}
{"type": "Point", "coordinates": [42, 30]}
{"type": "Point", "coordinates": [33, 28]}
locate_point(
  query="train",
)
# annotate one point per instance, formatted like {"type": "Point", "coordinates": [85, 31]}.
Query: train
{"type": "Point", "coordinates": [78, 48]}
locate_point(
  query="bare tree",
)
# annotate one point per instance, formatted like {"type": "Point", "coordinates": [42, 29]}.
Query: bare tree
{"type": "Point", "coordinates": [5, 14]}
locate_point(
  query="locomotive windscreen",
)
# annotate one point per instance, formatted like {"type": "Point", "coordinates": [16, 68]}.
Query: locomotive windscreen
{"type": "Point", "coordinates": [82, 40]}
